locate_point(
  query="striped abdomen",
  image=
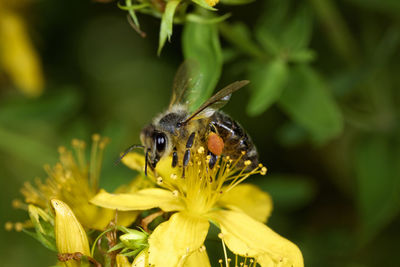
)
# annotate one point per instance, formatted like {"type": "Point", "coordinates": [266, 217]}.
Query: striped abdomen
{"type": "Point", "coordinates": [235, 139]}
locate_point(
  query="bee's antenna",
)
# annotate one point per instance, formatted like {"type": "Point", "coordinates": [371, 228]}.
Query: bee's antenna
{"type": "Point", "coordinates": [146, 162]}
{"type": "Point", "coordinates": [129, 149]}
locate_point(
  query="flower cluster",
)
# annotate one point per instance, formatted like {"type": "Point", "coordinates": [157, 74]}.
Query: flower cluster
{"type": "Point", "coordinates": [84, 225]}
{"type": "Point", "coordinates": [174, 11]}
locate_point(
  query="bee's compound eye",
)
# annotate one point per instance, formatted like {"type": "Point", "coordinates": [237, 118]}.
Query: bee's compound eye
{"type": "Point", "coordinates": [161, 142]}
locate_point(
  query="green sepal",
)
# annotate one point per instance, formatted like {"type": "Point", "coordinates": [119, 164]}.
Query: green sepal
{"type": "Point", "coordinates": [46, 241]}
{"type": "Point", "coordinates": [44, 227]}
{"type": "Point", "coordinates": [193, 17]}
{"type": "Point", "coordinates": [167, 23]}
{"type": "Point", "coordinates": [120, 245]}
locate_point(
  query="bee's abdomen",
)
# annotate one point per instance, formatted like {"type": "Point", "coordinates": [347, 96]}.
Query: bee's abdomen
{"type": "Point", "coordinates": [235, 138]}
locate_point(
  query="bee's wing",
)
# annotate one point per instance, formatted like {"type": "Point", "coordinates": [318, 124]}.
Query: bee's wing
{"type": "Point", "coordinates": [216, 102]}
{"type": "Point", "coordinates": [186, 80]}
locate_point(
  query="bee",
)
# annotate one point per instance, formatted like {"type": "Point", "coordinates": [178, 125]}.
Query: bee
{"type": "Point", "coordinates": [181, 129]}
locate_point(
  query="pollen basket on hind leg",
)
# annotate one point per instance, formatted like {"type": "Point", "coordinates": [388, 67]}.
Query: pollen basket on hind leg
{"type": "Point", "coordinates": [215, 144]}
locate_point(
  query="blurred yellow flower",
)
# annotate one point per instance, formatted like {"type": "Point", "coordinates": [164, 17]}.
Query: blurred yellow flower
{"type": "Point", "coordinates": [212, 2]}
{"type": "Point", "coordinates": [18, 58]}
{"type": "Point", "coordinates": [75, 182]}
{"type": "Point", "coordinates": [205, 195]}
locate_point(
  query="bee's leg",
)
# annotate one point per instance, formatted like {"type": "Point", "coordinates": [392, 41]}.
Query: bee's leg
{"type": "Point", "coordinates": [212, 128]}
{"type": "Point", "coordinates": [213, 160]}
{"type": "Point", "coordinates": [174, 158]}
{"type": "Point", "coordinates": [186, 157]}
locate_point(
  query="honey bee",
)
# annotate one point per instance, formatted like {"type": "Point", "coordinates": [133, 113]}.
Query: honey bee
{"type": "Point", "coordinates": [178, 130]}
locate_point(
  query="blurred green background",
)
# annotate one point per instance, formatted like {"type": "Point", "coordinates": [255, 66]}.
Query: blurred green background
{"type": "Point", "coordinates": [322, 108]}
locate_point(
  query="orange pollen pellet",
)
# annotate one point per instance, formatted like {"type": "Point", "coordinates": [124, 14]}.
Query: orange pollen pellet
{"type": "Point", "coordinates": [215, 144]}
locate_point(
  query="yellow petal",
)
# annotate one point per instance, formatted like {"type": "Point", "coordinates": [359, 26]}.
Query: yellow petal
{"type": "Point", "coordinates": [69, 233]}
{"type": "Point", "coordinates": [250, 199]}
{"type": "Point", "coordinates": [122, 261]}
{"type": "Point", "coordinates": [246, 236]}
{"type": "Point", "coordinates": [172, 241]}
{"type": "Point", "coordinates": [199, 258]}
{"type": "Point", "coordinates": [17, 55]}
{"type": "Point", "coordinates": [142, 259]}
{"type": "Point", "coordinates": [134, 161]}
{"type": "Point", "coordinates": [141, 200]}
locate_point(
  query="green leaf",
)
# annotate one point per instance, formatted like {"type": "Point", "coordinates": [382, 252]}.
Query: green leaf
{"type": "Point", "coordinates": [239, 35]}
{"type": "Point", "coordinates": [308, 102]}
{"type": "Point", "coordinates": [167, 23]}
{"type": "Point", "coordinates": [302, 56]}
{"type": "Point", "coordinates": [201, 45]}
{"type": "Point", "coordinates": [270, 26]}
{"type": "Point", "coordinates": [283, 33]}
{"type": "Point", "coordinates": [268, 82]}
{"type": "Point", "coordinates": [297, 34]}
{"type": "Point", "coordinates": [274, 16]}
{"type": "Point", "coordinates": [378, 170]}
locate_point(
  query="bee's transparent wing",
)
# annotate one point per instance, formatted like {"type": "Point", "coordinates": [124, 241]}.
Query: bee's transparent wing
{"type": "Point", "coordinates": [216, 102]}
{"type": "Point", "coordinates": [186, 81]}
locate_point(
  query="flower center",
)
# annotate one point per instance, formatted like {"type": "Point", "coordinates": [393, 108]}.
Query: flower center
{"type": "Point", "coordinates": [202, 186]}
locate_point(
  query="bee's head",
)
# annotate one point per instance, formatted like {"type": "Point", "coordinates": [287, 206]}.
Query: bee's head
{"type": "Point", "coordinates": [156, 144]}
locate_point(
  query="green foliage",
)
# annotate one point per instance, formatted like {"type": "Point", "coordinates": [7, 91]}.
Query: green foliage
{"type": "Point", "coordinates": [308, 102]}
{"type": "Point", "coordinates": [201, 44]}
{"type": "Point", "coordinates": [377, 166]}
{"type": "Point", "coordinates": [270, 79]}
{"type": "Point", "coordinates": [281, 73]}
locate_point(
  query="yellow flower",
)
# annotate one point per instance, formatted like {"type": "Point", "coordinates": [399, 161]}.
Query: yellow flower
{"type": "Point", "coordinates": [212, 2]}
{"type": "Point", "coordinates": [69, 233]}
{"type": "Point", "coordinates": [201, 197]}
{"type": "Point", "coordinates": [18, 57]}
{"type": "Point", "coordinates": [75, 182]}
